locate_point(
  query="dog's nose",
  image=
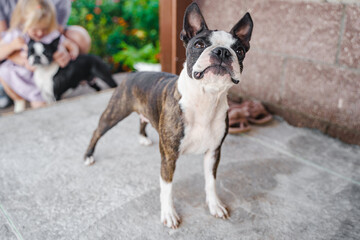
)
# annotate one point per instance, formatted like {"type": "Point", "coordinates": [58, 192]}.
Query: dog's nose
{"type": "Point", "coordinates": [221, 52]}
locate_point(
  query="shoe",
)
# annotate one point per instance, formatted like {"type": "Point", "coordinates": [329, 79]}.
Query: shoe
{"type": "Point", "coordinates": [257, 114]}
{"type": "Point", "coordinates": [19, 106]}
{"type": "Point", "coordinates": [238, 122]}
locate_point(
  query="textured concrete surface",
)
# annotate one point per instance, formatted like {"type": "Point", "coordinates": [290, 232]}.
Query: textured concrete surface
{"type": "Point", "coordinates": [278, 181]}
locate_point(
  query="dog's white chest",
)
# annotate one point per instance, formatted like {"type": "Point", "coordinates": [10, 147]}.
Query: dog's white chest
{"type": "Point", "coordinates": [43, 77]}
{"type": "Point", "coordinates": [204, 117]}
{"type": "Point", "coordinates": [203, 130]}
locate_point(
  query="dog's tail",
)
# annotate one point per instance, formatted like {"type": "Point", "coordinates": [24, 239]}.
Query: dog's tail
{"type": "Point", "coordinates": [102, 71]}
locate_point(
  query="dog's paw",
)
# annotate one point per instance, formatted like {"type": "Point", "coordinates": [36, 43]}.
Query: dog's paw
{"type": "Point", "coordinates": [170, 218]}
{"type": "Point", "coordinates": [89, 161]}
{"type": "Point", "coordinates": [144, 141]}
{"type": "Point", "coordinates": [217, 209]}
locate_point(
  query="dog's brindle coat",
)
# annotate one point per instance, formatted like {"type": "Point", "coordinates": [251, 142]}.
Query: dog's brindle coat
{"type": "Point", "coordinates": [188, 111]}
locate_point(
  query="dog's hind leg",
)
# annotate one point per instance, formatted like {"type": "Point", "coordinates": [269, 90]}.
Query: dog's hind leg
{"type": "Point", "coordinates": [143, 138]}
{"type": "Point", "coordinates": [114, 113]}
{"type": "Point", "coordinates": [92, 83]}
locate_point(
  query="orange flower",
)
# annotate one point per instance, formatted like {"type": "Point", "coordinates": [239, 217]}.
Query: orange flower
{"type": "Point", "coordinates": [89, 17]}
{"type": "Point", "coordinates": [122, 22]}
{"type": "Point", "coordinates": [133, 32]}
{"type": "Point", "coordinates": [97, 10]}
{"type": "Point", "coordinates": [157, 56]}
{"type": "Point", "coordinates": [126, 68]}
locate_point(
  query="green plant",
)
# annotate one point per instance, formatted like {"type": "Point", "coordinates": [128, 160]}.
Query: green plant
{"type": "Point", "coordinates": [123, 32]}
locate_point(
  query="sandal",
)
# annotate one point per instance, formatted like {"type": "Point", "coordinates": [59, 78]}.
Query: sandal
{"type": "Point", "coordinates": [257, 112]}
{"type": "Point", "coordinates": [237, 121]}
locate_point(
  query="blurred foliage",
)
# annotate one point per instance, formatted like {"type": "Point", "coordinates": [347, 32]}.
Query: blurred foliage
{"type": "Point", "coordinates": [123, 32]}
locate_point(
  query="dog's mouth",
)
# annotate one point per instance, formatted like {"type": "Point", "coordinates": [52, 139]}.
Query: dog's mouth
{"type": "Point", "coordinates": [217, 70]}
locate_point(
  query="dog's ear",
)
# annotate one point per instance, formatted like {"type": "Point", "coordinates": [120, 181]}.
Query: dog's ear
{"type": "Point", "coordinates": [243, 30]}
{"type": "Point", "coordinates": [194, 23]}
{"type": "Point", "coordinates": [30, 43]}
{"type": "Point", "coordinates": [54, 44]}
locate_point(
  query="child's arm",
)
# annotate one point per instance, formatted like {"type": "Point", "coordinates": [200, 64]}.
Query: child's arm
{"type": "Point", "coordinates": [67, 50]}
{"type": "Point", "coordinates": [3, 26]}
{"type": "Point", "coordinates": [72, 48]}
{"type": "Point", "coordinates": [6, 49]}
{"type": "Point", "coordinates": [61, 56]}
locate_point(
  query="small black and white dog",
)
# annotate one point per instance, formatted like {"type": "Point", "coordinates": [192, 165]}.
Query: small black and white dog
{"type": "Point", "coordinates": [54, 81]}
{"type": "Point", "coordinates": [188, 111]}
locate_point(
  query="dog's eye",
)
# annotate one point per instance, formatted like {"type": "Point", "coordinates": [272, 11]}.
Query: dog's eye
{"type": "Point", "coordinates": [199, 44]}
{"type": "Point", "coordinates": [240, 51]}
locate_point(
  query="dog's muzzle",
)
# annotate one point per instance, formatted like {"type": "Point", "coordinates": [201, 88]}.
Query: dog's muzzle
{"type": "Point", "coordinates": [200, 75]}
{"type": "Point", "coordinates": [221, 64]}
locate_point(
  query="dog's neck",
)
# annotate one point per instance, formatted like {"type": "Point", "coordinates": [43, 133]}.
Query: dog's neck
{"type": "Point", "coordinates": [197, 99]}
{"type": "Point", "coordinates": [50, 69]}
{"type": "Point", "coordinates": [195, 91]}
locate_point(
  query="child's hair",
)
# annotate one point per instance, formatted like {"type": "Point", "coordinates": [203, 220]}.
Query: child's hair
{"type": "Point", "coordinates": [30, 12]}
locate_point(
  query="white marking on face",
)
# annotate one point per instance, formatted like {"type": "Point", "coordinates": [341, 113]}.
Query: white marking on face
{"type": "Point", "coordinates": [218, 39]}
{"type": "Point", "coordinates": [38, 48]}
{"type": "Point", "coordinates": [39, 51]}
{"type": "Point", "coordinates": [222, 38]}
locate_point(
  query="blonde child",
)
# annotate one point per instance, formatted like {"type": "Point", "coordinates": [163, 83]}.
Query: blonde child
{"type": "Point", "coordinates": [31, 19]}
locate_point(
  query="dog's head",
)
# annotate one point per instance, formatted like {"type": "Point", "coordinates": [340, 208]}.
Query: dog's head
{"type": "Point", "coordinates": [214, 53]}
{"type": "Point", "coordinates": [40, 53]}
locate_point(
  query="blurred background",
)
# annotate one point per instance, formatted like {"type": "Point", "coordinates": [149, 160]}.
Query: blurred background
{"type": "Point", "coordinates": [123, 32]}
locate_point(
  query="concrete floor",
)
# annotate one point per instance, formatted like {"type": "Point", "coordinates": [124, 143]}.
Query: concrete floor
{"type": "Point", "coordinates": [278, 181]}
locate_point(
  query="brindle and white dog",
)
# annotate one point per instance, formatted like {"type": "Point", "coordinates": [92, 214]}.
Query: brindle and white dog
{"type": "Point", "coordinates": [188, 111]}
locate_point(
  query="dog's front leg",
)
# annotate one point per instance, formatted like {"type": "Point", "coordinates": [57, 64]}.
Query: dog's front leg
{"type": "Point", "coordinates": [211, 162]}
{"type": "Point", "coordinates": [168, 214]}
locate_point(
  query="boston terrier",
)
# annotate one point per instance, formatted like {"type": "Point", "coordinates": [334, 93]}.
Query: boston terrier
{"type": "Point", "coordinates": [53, 81]}
{"type": "Point", "coordinates": [188, 111]}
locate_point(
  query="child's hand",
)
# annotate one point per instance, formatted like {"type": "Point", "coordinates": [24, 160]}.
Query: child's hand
{"type": "Point", "coordinates": [61, 56]}
{"type": "Point", "coordinates": [72, 48]}
{"type": "Point", "coordinates": [18, 43]}
{"type": "Point", "coordinates": [24, 61]}
{"type": "Point", "coordinates": [29, 67]}
{"type": "Point", "coordinates": [74, 52]}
